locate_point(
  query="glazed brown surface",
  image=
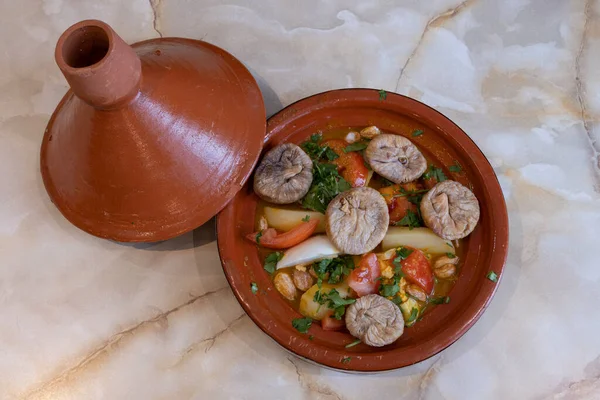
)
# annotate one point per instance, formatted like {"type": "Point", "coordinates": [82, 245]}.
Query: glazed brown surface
{"type": "Point", "coordinates": [483, 251]}
{"type": "Point", "coordinates": [151, 142]}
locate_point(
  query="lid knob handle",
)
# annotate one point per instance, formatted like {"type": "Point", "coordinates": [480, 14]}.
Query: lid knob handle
{"type": "Point", "coordinates": [100, 67]}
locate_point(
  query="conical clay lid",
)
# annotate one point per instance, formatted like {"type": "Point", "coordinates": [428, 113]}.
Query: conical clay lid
{"type": "Point", "coordinates": [152, 140]}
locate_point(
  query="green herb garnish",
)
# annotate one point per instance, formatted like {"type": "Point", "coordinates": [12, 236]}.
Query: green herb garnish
{"type": "Point", "coordinates": [356, 146]}
{"type": "Point", "coordinates": [450, 255]}
{"type": "Point", "coordinates": [411, 220]}
{"type": "Point", "coordinates": [382, 95]}
{"type": "Point", "coordinates": [455, 167]}
{"type": "Point", "coordinates": [316, 137]}
{"type": "Point", "coordinates": [311, 337]}
{"type": "Point", "coordinates": [333, 300]}
{"type": "Point", "coordinates": [330, 154]}
{"type": "Point", "coordinates": [302, 324]}
{"type": "Point", "coordinates": [334, 270]}
{"type": "Point", "coordinates": [435, 173]}
{"type": "Point", "coordinates": [306, 218]}
{"type": "Point", "coordinates": [389, 290]}
{"type": "Point", "coordinates": [272, 260]}
{"type": "Point", "coordinates": [492, 276]}
{"type": "Point", "coordinates": [401, 254]}
{"type": "Point", "coordinates": [253, 287]}
{"type": "Point", "coordinates": [258, 235]}
{"type": "Point", "coordinates": [315, 151]}
{"type": "Point", "coordinates": [386, 182]}
{"type": "Point", "coordinates": [414, 313]}
{"type": "Point", "coordinates": [357, 341]}
{"type": "Point", "coordinates": [440, 300]}
{"type": "Point", "coordinates": [346, 360]}
{"type": "Point", "coordinates": [417, 133]}
{"type": "Point", "coordinates": [327, 183]}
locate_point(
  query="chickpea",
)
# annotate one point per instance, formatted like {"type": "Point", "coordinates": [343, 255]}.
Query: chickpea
{"type": "Point", "coordinates": [370, 132]}
{"type": "Point", "coordinates": [416, 292]}
{"type": "Point", "coordinates": [285, 285]}
{"type": "Point", "coordinates": [443, 260]}
{"type": "Point", "coordinates": [445, 271]}
{"type": "Point", "coordinates": [302, 280]}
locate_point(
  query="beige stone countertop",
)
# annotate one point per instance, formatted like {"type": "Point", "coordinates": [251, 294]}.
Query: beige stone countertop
{"type": "Point", "coordinates": [85, 318]}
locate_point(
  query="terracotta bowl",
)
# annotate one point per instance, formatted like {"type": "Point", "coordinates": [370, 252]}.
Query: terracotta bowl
{"type": "Point", "coordinates": [444, 143]}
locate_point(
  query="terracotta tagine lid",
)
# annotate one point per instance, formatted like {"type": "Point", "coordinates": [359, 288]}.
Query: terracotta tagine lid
{"type": "Point", "coordinates": [153, 139]}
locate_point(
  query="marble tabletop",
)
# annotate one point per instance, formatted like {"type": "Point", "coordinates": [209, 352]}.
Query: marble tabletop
{"type": "Point", "coordinates": [85, 318]}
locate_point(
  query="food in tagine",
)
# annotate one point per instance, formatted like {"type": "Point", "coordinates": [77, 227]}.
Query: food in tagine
{"type": "Point", "coordinates": [366, 231]}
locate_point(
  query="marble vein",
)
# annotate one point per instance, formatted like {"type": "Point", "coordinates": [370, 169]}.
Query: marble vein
{"type": "Point", "coordinates": [437, 20]}
{"type": "Point", "coordinates": [428, 376]}
{"type": "Point", "coordinates": [580, 85]}
{"type": "Point", "coordinates": [210, 340]}
{"type": "Point", "coordinates": [156, 7]}
{"type": "Point", "coordinates": [580, 389]}
{"type": "Point", "coordinates": [115, 339]}
{"type": "Point", "coordinates": [313, 387]}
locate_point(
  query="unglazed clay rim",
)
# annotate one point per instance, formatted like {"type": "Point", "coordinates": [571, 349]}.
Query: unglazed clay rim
{"type": "Point", "coordinates": [394, 358]}
{"type": "Point", "coordinates": [164, 232]}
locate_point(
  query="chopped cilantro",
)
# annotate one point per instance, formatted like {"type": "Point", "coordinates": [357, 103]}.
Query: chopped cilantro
{"type": "Point", "coordinates": [258, 235]}
{"type": "Point", "coordinates": [316, 137]}
{"type": "Point", "coordinates": [385, 182]}
{"type": "Point", "coordinates": [392, 288]}
{"type": "Point", "coordinates": [333, 300]}
{"type": "Point", "coordinates": [333, 269]}
{"type": "Point", "coordinates": [455, 167]}
{"type": "Point", "coordinates": [315, 151]}
{"type": "Point", "coordinates": [440, 300]}
{"type": "Point", "coordinates": [396, 300]}
{"type": "Point", "coordinates": [311, 337]}
{"type": "Point", "coordinates": [435, 173]}
{"type": "Point", "coordinates": [450, 255]}
{"type": "Point", "coordinates": [492, 276]}
{"type": "Point", "coordinates": [339, 312]}
{"type": "Point", "coordinates": [382, 95]}
{"type": "Point", "coordinates": [317, 298]}
{"type": "Point", "coordinates": [306, 218]}
{"type": "Point", "coordinates": [411, 220]}
{"type": "Point", "coordinates": [417, 133]}
{"type": "Point", "coordinates": [346, 360]}
{"type": "Point", "coordinates": [327, 183]}
{"type": "Point", "coordinates": [330, 154]}
{"type": "Point", "coordinates": [401, 254]}
{"type": "Point", "coordinates": [272, 260]}
{"type": "Point", "coordinates": [356, 146]}
{"type": "Point", "coordinates": [389, 290]}
{"type": "Point", "coordinates": [414, 313]}
{"type": "Point", "coordinates": [302, 324]}
{"type": "Point", "coordinates": [253, 287]}
{"type": "Point", "coordinates": [357, 341]}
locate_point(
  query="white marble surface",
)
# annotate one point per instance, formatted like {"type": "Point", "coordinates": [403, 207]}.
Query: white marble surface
{"type": "Point", "coordinates": [84, 318]}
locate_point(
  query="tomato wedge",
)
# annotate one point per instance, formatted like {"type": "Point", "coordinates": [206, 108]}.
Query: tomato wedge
{"type": "Point", "coordinates": [351, 166]}
{"type": "Point", "coordinates": [398, 206]}
{"type": "Point", "coordinates": [417, 270]}
{"type": "Point", "coordinates": [331, 324]}
{"type": "Point", "coordinates": [363, 279]}
{"type": "Point", "coordinates": [271, 239]}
